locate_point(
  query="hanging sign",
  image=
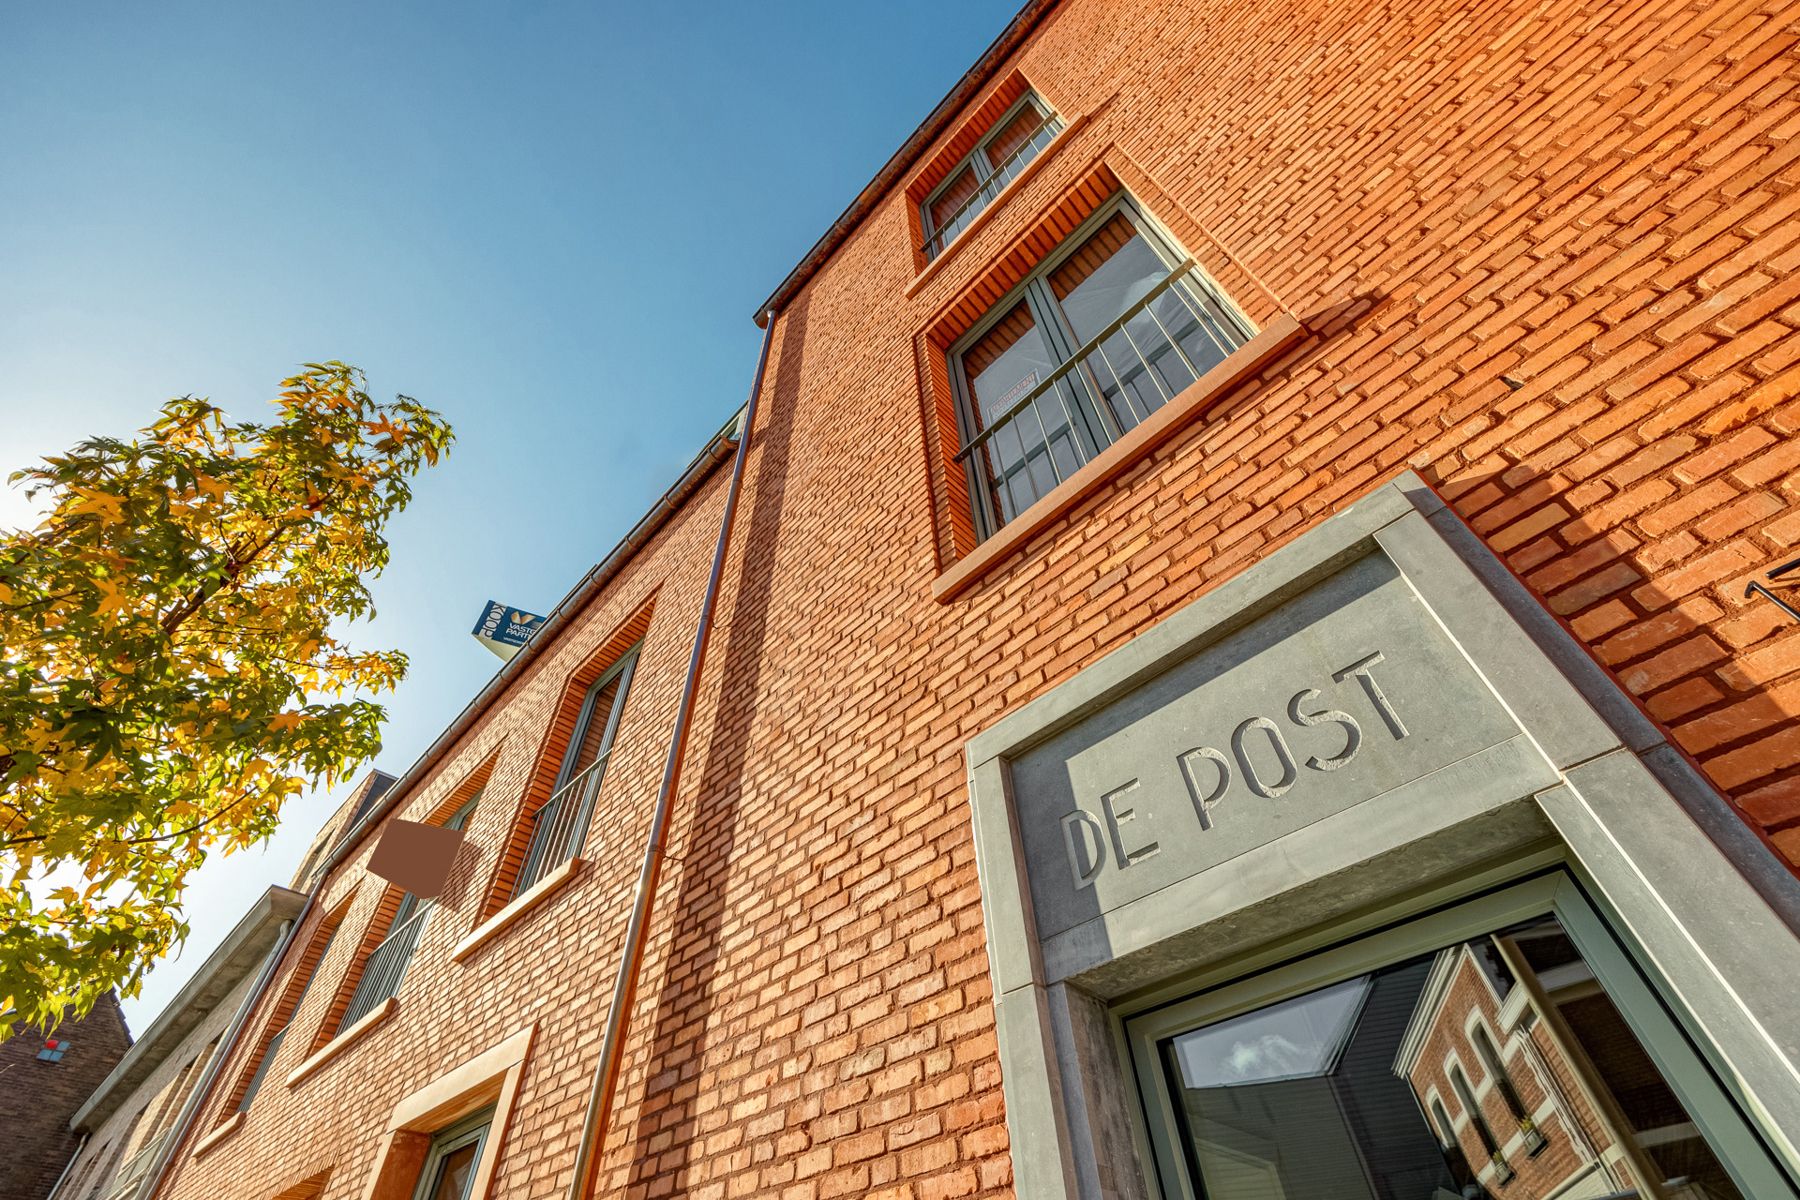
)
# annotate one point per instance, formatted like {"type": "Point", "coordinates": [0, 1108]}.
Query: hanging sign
{"type": "Point", "coordinates": [503, 630]}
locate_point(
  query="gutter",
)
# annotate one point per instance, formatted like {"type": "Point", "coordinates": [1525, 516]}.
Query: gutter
{"type": "Point", "coordinates": [67, 1167]}
{"type": "Point", "coordinates": [190, 1108]}
{"type": "Point", "coordinates": [255, 933]}
{"type": "Point", "coordinates": [717, 451]}
{"type": "Point", "coordinates": [972, 81]}
{"type": "Point", "coordinates": [732, 440]}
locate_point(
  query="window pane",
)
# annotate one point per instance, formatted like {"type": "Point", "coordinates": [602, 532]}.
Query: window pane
{"type": "Point", "coordinates": [262, 1068]}
{"type": "Point", "coordinates": [1031, 452]}
{"type": "Point", "coordinates": [1162, 348]}
{"type": "Point", "coordinates": [456, 1172]}
{"type": "Point", "coordinates": [559, 826]}
{"type": "Point", "coordinates": [1007, 362]}
{"type": "Point", "coordinates": [1008, 139]}
{"type": "Point", "coordinates": [946, 214]}
{"type": "Point", "coordinates": [1112, 270]}
{"type": "Point", "coordinates": [593, 736]}
{"type": "Point", "coordinates": [1377, 1089]}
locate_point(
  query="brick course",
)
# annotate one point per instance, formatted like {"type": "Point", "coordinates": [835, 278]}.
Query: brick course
{"type": "Point", "coordinates": [1546, 256]}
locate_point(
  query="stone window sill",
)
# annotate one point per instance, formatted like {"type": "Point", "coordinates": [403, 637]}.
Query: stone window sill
{"type": "Point", "coordinates": [521, 904]}
{"type": "Point", "coordinates": [1281, 334]}
{"type": "Point", "coordinates": [205, 1144]}
{"type": "Point", "coordinates": [342, 1041]}
{"type": "Point", "coordinates": [967, 233]}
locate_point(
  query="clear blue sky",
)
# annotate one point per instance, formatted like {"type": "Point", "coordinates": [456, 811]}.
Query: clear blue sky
{"type": "Point", "coordinates": [551, 221]}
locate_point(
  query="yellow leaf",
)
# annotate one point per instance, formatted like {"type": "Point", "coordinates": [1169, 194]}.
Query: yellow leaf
{"type": "Point", "coordinates": [283, 721]}
{"type": "Point", "coordinates": [107, 507]}
{"type": "Point", "coordinates": [112, 600]}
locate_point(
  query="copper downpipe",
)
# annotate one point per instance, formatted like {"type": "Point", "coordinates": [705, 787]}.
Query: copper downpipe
{"type": "Point", "coordinates": [631, 958]}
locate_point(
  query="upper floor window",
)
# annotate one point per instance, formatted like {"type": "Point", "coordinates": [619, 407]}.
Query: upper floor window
{"type": "Point", "coordinates": [1465, 1095]}
{"type": "Point", "coordinates": [996, 160]}
{"type": "Point", "coordinates": [559, 826]}
{"type": "Point", "coordinates": [1495, 1067]}
{"type": "Point", "coordinates": [386, 964]}
{"type": "Point", "coordinates": [1102, 333]}
{"type": "Point", "coordinates": [281, 1020]}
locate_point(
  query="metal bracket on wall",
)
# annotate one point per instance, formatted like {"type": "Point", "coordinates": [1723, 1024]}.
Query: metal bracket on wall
{"type": "Point", "coordinates": [1756, 587]}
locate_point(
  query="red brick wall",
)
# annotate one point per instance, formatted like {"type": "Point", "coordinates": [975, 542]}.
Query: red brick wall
{"type": "Point", "coordinates": [1595, 202]}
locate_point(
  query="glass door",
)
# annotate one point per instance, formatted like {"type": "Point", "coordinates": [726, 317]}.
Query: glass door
{"type": "Point", "coordinates": [1524, 1058]}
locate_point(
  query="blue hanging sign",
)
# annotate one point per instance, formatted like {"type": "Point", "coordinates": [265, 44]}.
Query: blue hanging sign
{"type": "Point", "coordinates": [503, 630]}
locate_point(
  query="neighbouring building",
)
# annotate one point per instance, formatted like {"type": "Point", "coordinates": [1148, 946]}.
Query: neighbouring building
{"type": "Point", "coordinates": [44, 1077]}
{"type": "Point", "coordinates": [1237, 672]}
{"type": "Point", "coordinates": [358, 805]}
{"type": "Point", "coordinates": [124, 1125]}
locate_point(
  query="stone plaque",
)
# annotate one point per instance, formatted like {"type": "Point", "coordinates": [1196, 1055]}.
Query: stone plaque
{"type": "Point", "coordinates": [1332, 700]}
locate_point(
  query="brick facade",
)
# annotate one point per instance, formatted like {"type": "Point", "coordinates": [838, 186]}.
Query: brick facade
{"type": "Point", "coordinates": [126, 1120]}
{"type": "Point", "coordinates": [37, 1097]}
{"type": "Point", "coordinates": [1546, 256]}
{"type": "Point", "coordinates": [149, 1110]}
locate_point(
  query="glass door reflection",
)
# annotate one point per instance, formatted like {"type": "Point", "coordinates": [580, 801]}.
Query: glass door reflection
{"type": "Point", "coordinates": [1495, 1069]}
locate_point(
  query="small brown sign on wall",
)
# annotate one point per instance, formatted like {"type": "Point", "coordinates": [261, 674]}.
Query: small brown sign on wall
{"type": "Point", "coordinates": [416, 856]}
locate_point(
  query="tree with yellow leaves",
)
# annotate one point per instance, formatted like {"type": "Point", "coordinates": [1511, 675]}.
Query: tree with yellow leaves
{"type": "Point", "coordinates": [171, 667]}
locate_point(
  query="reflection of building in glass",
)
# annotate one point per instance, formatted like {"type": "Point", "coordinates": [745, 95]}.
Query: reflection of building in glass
{"type": "Point", "coordinates": [1531, 1077]}
{"type": "Point", "coordinates": [1503, 1096]}
{"type": "Point", "coordinates": [1496, 1069]}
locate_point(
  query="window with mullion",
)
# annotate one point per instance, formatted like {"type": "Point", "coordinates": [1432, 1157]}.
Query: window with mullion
{"type": "Point", "coordinates": [272, 1044]}
{"type": "Point", "coordinates": [994, 161]}
{"type": "Point", "coordinates": [1105, 331]}
{"type": "Point", "coordinates": [385, 967]}
{"type": "Point", "coordinates": [559, 827]}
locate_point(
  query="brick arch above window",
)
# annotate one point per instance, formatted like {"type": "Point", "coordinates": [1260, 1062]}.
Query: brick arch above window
{"type": "Point", "coordinates": [310, 1188]}
{"type": "Point", "coordinates": [996, 145]}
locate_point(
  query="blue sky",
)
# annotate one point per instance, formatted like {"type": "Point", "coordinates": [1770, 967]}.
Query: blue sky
{"type": "Point", "coordinates": [551, 221]}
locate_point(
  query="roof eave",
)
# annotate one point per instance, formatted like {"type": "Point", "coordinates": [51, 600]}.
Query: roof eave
{"type": "Point", "coordinates": [972, 81]}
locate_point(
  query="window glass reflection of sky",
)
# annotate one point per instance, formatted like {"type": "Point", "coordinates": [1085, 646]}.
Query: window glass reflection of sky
{"type": "Point", "coordinates": [1296, 1039]}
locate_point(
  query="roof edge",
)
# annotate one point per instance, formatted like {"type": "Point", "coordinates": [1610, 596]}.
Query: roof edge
{"type": "Point", "coordinates": [972, 81]}
{"type": "Point", "coordinates": [255, 932]}
{"type": "Point", "coordinates": [717, 450]}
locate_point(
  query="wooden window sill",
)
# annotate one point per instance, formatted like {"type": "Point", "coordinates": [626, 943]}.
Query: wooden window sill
{"type": "Point", "coordinates": [967, 232]}
{"type": "Point", "coordinates": [205, 1144]}
{"type": "Point", "coordinates": [342, 1040]}
{"type": "Point", "coordinates": [521, 904]}
{"type": "Point", "coordinates": [1281, 335]}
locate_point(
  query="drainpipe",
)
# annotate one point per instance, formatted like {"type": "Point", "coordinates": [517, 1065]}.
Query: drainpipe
{"type": "Point", "coordinates": [68, 1166]}
{"type": "Point", "coordinates": [190, 1109]}
{"type": "Point", "coordinates": [631, 957]}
